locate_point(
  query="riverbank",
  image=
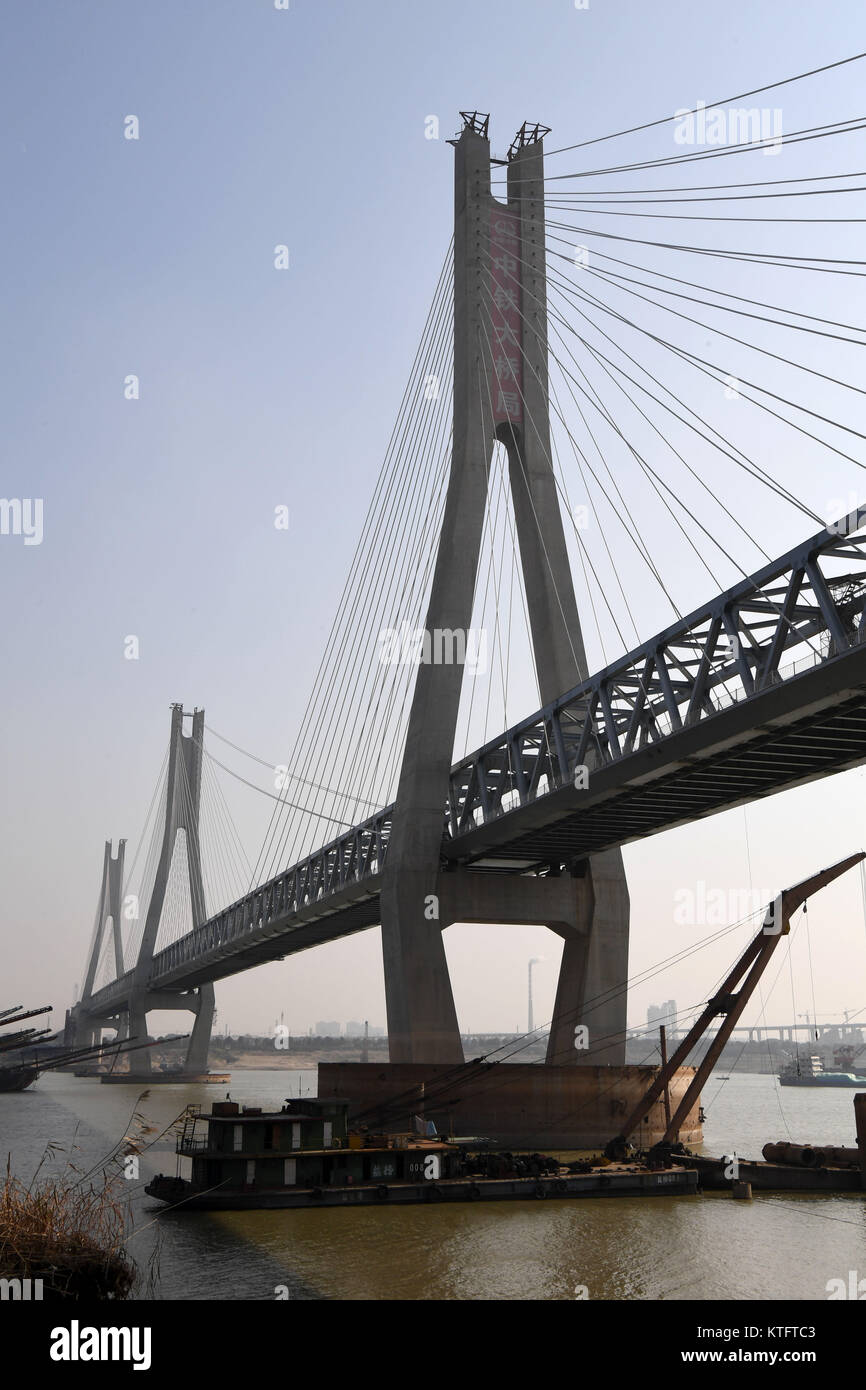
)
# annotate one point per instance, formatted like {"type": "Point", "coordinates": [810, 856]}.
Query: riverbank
{"type": "Point", "coordinates": [291, 1061]}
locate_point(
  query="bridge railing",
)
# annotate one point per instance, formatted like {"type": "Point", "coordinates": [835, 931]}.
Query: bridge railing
{"type": "Point", "coordinates": [809, 604]}
{"type": "Point", "coordinates": [352, 858]}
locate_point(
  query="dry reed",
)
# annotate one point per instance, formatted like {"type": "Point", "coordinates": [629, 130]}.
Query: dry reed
{"type": "Point", "coordinates": [69, 1229]}
{"type": "Point", "coordinates": [67, 1234]}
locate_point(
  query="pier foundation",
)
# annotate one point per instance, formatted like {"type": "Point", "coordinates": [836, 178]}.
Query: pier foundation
{"type": "Point", "coordinates": [518, 1105]}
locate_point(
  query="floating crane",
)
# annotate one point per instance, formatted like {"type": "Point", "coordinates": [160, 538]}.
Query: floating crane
{"type": "Point", "coordinates": [730, 1002]}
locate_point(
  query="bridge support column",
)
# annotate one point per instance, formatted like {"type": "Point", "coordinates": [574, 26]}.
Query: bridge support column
{"type": "Point", "coordinates": [422, 1020]}
{"type": "Point", "coordinates": [593, 973]}
{"type": "Point", "coordinates": [594, 969]}
{"type": "Point", "coordinates": [196, 1053]}
{"type": "Point", "coordinates": [81, 1029]}
{"type": "Point", "coordinates": [137, 1018]}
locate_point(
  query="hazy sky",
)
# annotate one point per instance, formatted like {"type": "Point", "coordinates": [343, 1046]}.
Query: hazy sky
{"type": "Point", "coordinates": [261, 388]}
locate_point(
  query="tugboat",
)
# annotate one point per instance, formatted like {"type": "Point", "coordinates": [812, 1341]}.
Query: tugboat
{"type": "Point", "coordinates": [305, 1155]}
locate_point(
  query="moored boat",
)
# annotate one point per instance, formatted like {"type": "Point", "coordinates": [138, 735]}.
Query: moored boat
{"type": "Point", "coordinates": [17, 1078]}
{"type": "Point", "coordinates": [809, 1071]}
{"type": "Point", "coordinates": [305, 1155]}
{"type": "Point", "coordinates": [826, 1079]}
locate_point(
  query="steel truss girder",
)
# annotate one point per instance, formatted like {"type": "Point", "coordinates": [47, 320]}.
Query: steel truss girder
{"type": "Point", "coordinates": [721, 654]}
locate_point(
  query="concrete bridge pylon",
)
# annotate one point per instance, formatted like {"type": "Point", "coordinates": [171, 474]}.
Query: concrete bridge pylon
{"type": "Point", "coordinates": [500, 396]}
{"type": "Point", "coordinates": [183, 795]}
{"type": "Point", "coordinates": [128, 1015]}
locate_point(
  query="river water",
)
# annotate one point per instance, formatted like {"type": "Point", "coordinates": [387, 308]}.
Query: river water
{"type": "Point", "coordinates": [705, 1247]}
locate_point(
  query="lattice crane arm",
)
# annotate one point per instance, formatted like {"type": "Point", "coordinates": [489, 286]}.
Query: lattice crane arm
{"type": "Point", "coordinates": [729, 1001]}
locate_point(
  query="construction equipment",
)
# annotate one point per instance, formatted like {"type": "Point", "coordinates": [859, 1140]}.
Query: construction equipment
{"type": "Point", "coordinates": [730, 1003]}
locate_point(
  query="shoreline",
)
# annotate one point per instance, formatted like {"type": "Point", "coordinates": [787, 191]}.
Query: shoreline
{"type": "Point", "coordinates": [289, 1061]}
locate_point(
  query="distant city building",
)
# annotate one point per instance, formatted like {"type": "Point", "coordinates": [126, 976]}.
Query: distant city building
{"type": "Point", "coordinates": [353, 1029]}
{"type": "Point", "coordinates": [665, 1013]}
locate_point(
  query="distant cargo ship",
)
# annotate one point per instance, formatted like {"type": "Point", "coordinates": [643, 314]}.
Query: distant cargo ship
{"type": "Point", "coordinates": [809, 1071]}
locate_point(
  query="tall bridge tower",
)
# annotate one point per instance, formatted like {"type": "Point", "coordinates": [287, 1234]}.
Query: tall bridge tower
{"type": "Point", "coordinates": [133, 996]}
{"type": "Point", "coordinates": [183, 795]}
{"type": "Point", "coordinates": [500, 395]}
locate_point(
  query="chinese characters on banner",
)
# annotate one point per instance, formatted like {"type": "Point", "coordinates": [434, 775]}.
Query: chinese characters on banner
{"type": "Point", "coordinates": [505, 312]}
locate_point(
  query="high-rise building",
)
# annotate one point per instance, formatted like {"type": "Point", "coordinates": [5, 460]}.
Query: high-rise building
{"type": "Point", "coordinates": [665, 1013]}
{"type": "Point", "coordinates": [330, 1029]}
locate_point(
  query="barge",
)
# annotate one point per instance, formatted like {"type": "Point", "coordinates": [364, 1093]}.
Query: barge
{"type": "Point", "coordinates": [305, 1156]}
{"type": "Point", "coordinates": [787, 1167]}
{"type": "Point", "coordinates": [715, 1175]}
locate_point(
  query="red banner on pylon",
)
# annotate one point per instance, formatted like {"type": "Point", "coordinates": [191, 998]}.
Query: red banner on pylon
{"type": "Point", "coordinates": [506, 316]}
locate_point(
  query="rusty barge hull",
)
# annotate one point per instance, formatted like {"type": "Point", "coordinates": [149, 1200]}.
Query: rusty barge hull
{"type": "Point", "coordinates": [613, 1181]}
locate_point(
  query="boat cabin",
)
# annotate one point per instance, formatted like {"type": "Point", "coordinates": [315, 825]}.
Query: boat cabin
{"type": "Point", "coordinates": [307, 1144]}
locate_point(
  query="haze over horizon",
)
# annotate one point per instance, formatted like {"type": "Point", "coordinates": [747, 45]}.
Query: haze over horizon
{"type": "Point", "coordinates": [263, 388]}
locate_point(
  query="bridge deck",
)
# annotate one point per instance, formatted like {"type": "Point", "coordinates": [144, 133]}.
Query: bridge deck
{"type": "Point", "coordinates": [703, 717]}
{"type": "Point", "coordinates": [787, 736]}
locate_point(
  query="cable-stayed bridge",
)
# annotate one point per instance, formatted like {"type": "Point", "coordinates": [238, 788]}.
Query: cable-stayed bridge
{"type": "Point", "coordinates": [760, 689]}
